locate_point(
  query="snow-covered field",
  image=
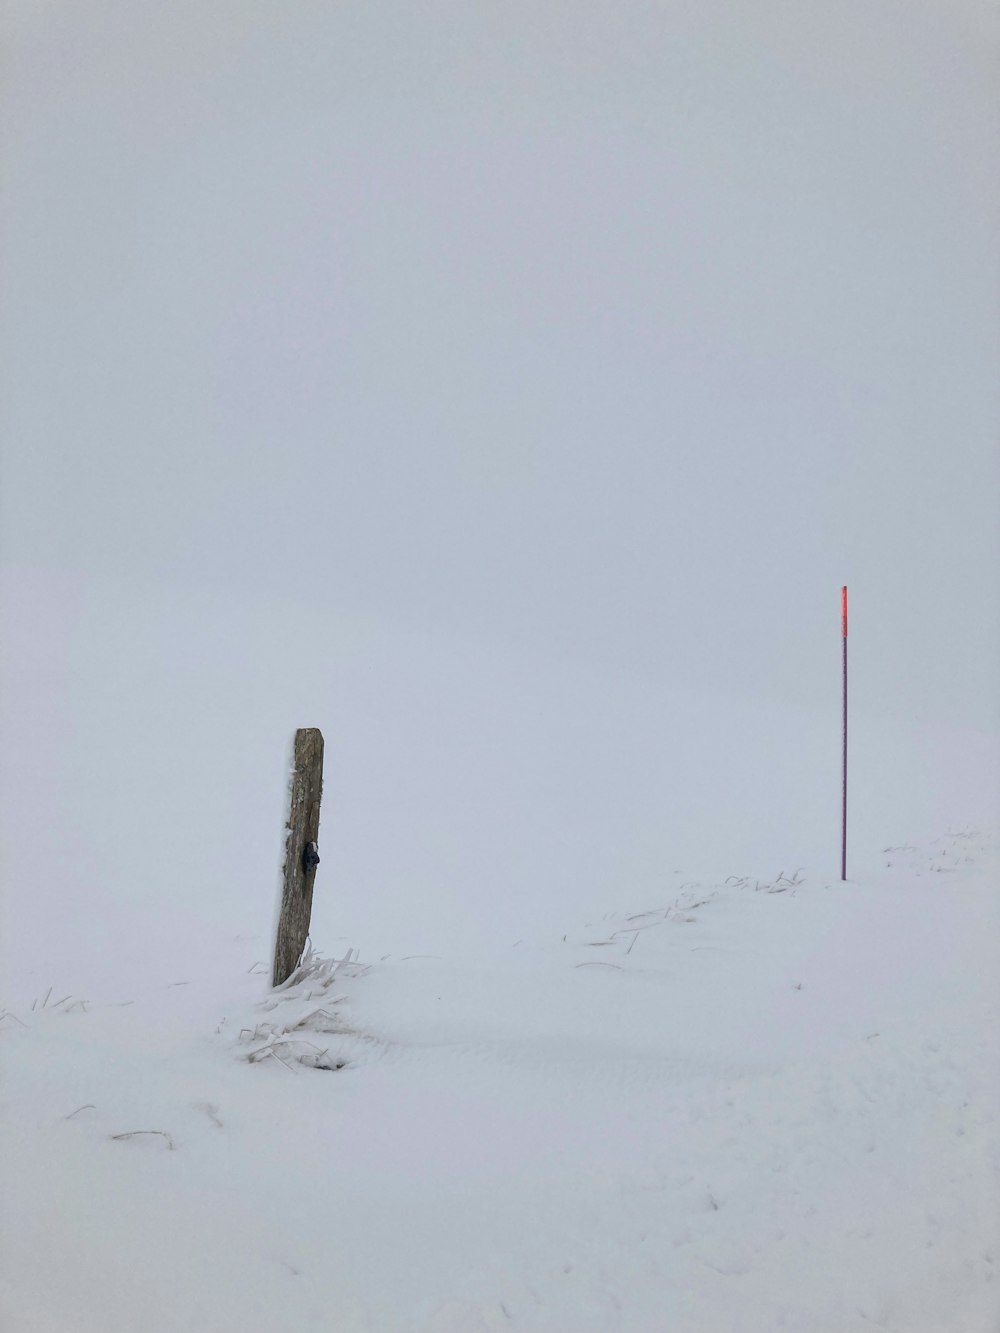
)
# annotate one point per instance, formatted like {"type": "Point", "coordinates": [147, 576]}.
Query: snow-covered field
{"type": "Point", "coordinates": [743, 1106]}
{"type": "Point", "coordinates": [506, 389]}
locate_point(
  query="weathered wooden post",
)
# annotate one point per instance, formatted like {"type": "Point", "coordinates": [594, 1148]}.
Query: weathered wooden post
{"type": "Point", "coordinates": [301, 854]}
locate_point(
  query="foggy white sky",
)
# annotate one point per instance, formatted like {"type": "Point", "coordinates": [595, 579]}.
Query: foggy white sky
{"type": "Point", "coordinates": [637, 326]}
{"type": "Point", "coordinates": [612, 334]}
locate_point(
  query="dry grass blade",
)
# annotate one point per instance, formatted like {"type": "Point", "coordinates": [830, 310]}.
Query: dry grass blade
{"type": "Point", "coordinates": [138, 1133]}
{"type": "Point", "coordinates": [303, 1022]}
{"type": "Point", "coordinates": [298, 1041]}
{"type": "Point", "coordinates": [275, 1056]}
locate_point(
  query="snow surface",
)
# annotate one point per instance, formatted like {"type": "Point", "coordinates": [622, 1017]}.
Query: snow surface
{"type": "Point", "coordinates": [507, 390]}
{"type": "Point", "coordinates": [744, 1105]}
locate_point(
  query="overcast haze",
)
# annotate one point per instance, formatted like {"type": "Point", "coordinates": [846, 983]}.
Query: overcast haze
{"type": "Point", "coordinates": [507, 389]}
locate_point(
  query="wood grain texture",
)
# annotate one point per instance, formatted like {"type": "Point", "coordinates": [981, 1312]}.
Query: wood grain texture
{"type": "Point", "coordinates": [299, 877]}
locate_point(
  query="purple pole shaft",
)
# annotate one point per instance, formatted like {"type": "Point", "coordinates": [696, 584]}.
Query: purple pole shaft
{"type": "Point", "coordinates": [843, 820]}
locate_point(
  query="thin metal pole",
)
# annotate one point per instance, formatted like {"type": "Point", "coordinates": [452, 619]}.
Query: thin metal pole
{"type": "Point", "coordinates": [843, 820]}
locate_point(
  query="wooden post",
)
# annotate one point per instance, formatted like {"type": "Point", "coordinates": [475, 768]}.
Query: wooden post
{"type": "Point", "coordinates": [301, 855]}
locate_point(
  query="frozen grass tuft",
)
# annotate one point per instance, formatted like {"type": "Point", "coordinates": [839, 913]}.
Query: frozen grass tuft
{"type": "Point", "coordinates": [284, 1040]}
